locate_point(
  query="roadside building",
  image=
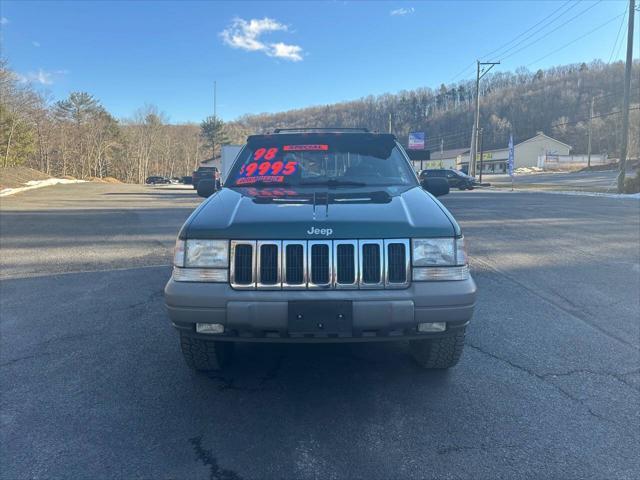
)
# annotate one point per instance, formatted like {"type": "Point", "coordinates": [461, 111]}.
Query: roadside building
{"type": "Point", "coordinates": [446, 158]}
{"type": "Point", "coordinates": [526, 154]}
{"type": "Point", "coordinates": [419, 158]}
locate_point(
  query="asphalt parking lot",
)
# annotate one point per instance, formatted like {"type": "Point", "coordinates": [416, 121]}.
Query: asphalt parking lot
{"type": "Point", "coordinates": [605, 181]}
{"type": "Point", "coordinates": [93, 384]}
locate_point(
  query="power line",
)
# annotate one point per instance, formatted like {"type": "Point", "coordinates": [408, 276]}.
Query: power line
{"type": "Point", "coordinates": [617, 36]}
{"type": "Point", "coordinates": [595, 116]}
{"type": "Point", "coordinates": [576, 39]}
{"type": "Point", "coordinates": [532, 27]}
{"type": "Point", "coordinates": [549, 24]}
{"type": "Point", "coordinates": [445, 135]}
{"type": "Point", "coordinates": [619, 48]}
{"type": "Point", "coordinates": [518, 36]}
{"type": "Point", "coordinates": [552, 31]}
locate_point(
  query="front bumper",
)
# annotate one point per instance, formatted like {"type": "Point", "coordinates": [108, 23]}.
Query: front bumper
{"type": "Point", "coordinates": [262, 315]}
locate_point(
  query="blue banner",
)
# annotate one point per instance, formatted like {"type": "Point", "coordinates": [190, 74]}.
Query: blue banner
{"type": "Point", "coordinates": [511, 155]}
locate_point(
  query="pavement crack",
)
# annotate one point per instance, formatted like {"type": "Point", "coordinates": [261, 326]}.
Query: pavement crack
{"type": "Point", "coordinates": [229, 383]}
{"type": "Point", "coordinates": [26, 357]}
{"type": "Point", "coordinates": [273, 372]}
{"type": "Point", "coordinates": [570, 308]}
{"type": "Point", "coordinates": [444, 450]}
{"type": "Point", "coordinates": [150, 298]}
{"type": "Point", "coordinates": [208, 460]}
{"type": "Point", "coordinates": [39, 346]}
{"type": "Point", "coordinates": [544, 378]}
{"type": "Point", "coordinates": [586, 371]}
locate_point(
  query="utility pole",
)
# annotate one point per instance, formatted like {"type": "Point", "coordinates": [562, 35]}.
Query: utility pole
{"type": "Point", "coordinates": [590, 127]}
{"type": "Point", "coordinates": [476, 122]}
{"type": "Point", "coordinates": [389, 122]}
{"type": "Point", "coordinates": [481, 152]}
{"type": "Point", "coordinates": [441, 147]}
{"type": "Point", "coordinates": [215, 118]}
{"type": "Point", "coordinates": [625, 106]}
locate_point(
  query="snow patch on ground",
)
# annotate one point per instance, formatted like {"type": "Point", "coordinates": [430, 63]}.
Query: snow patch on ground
{"type": "Point", "coordinates": [527, 170]}
{"type": "Point", "coordinates": [623, 196]}
{"type": "Point", "coordinates": [596, 194]}
{"type": "Point", "coordinates": [32, 184]}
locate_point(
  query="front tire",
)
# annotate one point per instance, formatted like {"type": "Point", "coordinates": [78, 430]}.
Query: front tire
{"type": "Point", "coordinates": [438, 353]}
{"type": "Point", "coordinates": [206, 355]}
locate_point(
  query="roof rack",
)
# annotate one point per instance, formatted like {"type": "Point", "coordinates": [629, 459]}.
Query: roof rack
{"type": "Point", "coordinates": [321, 130]}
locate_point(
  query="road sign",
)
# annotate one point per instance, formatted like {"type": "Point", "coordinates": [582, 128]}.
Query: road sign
{"type": "Point", "coordinates": [416, 141]}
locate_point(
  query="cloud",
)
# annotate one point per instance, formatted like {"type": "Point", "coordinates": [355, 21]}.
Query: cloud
{"type": "Point", "coordinates": [4, 20]}
{"type": "Point", "coordinates": [288, 52]}
{"type": "Point", "coordinates": [41, 76]}
{"type": "Point", "coordinates": [400, 12]}
{"type": "Point", "coordinates": [245, 35]}
{"type": "Point", "coordinates": [35, 44]}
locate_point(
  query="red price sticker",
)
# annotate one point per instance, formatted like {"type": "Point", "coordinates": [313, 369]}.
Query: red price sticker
{"type": "Point", "coordinates": [270, 169]}
{"type": "Point", "coordinates": [305, 148]}
{"type": "Point", "coordinates": [265, 154]}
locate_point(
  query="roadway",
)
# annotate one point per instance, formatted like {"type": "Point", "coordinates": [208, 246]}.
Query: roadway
{"type": "Point", "coordinates": [598, 181]}
{"type": "Point", "coordinates": [93, 384]}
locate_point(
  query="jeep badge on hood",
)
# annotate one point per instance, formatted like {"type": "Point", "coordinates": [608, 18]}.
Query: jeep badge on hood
{"type": "Point", "coordinates": [320, 231]}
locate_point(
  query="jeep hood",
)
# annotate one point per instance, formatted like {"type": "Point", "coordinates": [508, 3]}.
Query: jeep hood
{"type": "Point", "coordinates": [374, 212]}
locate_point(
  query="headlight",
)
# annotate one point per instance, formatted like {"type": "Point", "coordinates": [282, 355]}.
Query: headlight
{"type": "Point", "coordinates": [440, 259]}
{"type": "Point", "coordinates": [178, 253]}
{"type": "Point", "coordinates": [206, 253]}
{"type": "Point", "coordinates": [200, 274]}
{"type": "Point", "coordinates": [434, 252]}
{"type": "Point", "coordinates": [461, 252]}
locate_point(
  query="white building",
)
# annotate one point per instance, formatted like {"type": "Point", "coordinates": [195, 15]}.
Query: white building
{"type": "Point", "coordinates": [526, 154]}
{"type": "Point", "coordinates": [446, 158]}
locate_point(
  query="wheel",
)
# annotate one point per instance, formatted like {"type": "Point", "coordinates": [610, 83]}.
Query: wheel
{"type": "Point", "coordinates": [462, 187]}
{"type": "Point", "coordinates": [206, 355]}
{"type": "Point", "coordinates": [441, 352]}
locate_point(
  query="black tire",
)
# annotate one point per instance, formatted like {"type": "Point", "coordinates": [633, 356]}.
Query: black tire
{"type": "Point", "coordinates": [441, 352]}
{"type": "Point", "coordinates": [462, 188]}
{"type": "Point", "coordinates": [206, 355]}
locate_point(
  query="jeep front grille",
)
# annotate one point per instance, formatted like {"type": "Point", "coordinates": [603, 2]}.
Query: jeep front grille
{"type": "Point", "coordinates": [320, 264]}
{"type": "Point", "coordinates": [243, 264]}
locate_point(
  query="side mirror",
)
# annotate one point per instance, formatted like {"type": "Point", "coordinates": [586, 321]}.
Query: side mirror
{"type": "Point", "coordinates": [435, 186]}
{"type": "Point", "coordinates": [206, 188]}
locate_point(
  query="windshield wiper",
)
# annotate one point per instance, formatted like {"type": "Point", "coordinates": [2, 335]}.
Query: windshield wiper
{"type": "Point", "coordinates": [334, 182]}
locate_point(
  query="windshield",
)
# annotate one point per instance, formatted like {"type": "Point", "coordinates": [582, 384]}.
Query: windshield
{"type": "Point", "coordinates": [327, 160]}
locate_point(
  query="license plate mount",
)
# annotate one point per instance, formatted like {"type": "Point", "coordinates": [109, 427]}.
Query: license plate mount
{"type": "Point", "coordinates": [320, 317]}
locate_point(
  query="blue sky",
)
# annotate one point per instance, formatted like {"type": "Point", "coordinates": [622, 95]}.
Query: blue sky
{"type": "Point", "coordinates": [274, 56]}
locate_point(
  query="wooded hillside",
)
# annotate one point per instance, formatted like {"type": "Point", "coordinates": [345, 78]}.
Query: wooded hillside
{"type": "Point", "coordinates": [77, 136]}
{"type": "Point", "coordinates": [555, 101]}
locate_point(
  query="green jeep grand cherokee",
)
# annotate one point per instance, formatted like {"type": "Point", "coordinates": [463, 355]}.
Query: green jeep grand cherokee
{"type": "Point", "coordinates": [321, 236]}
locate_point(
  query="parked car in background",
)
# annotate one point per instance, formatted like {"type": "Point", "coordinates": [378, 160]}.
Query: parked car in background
{"type": "Point", "coordinates": [456, 178]}
{"type": "Point", "coordinates": [205, 173]}
{"type": "Point", "coordinates": [157, 180]}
